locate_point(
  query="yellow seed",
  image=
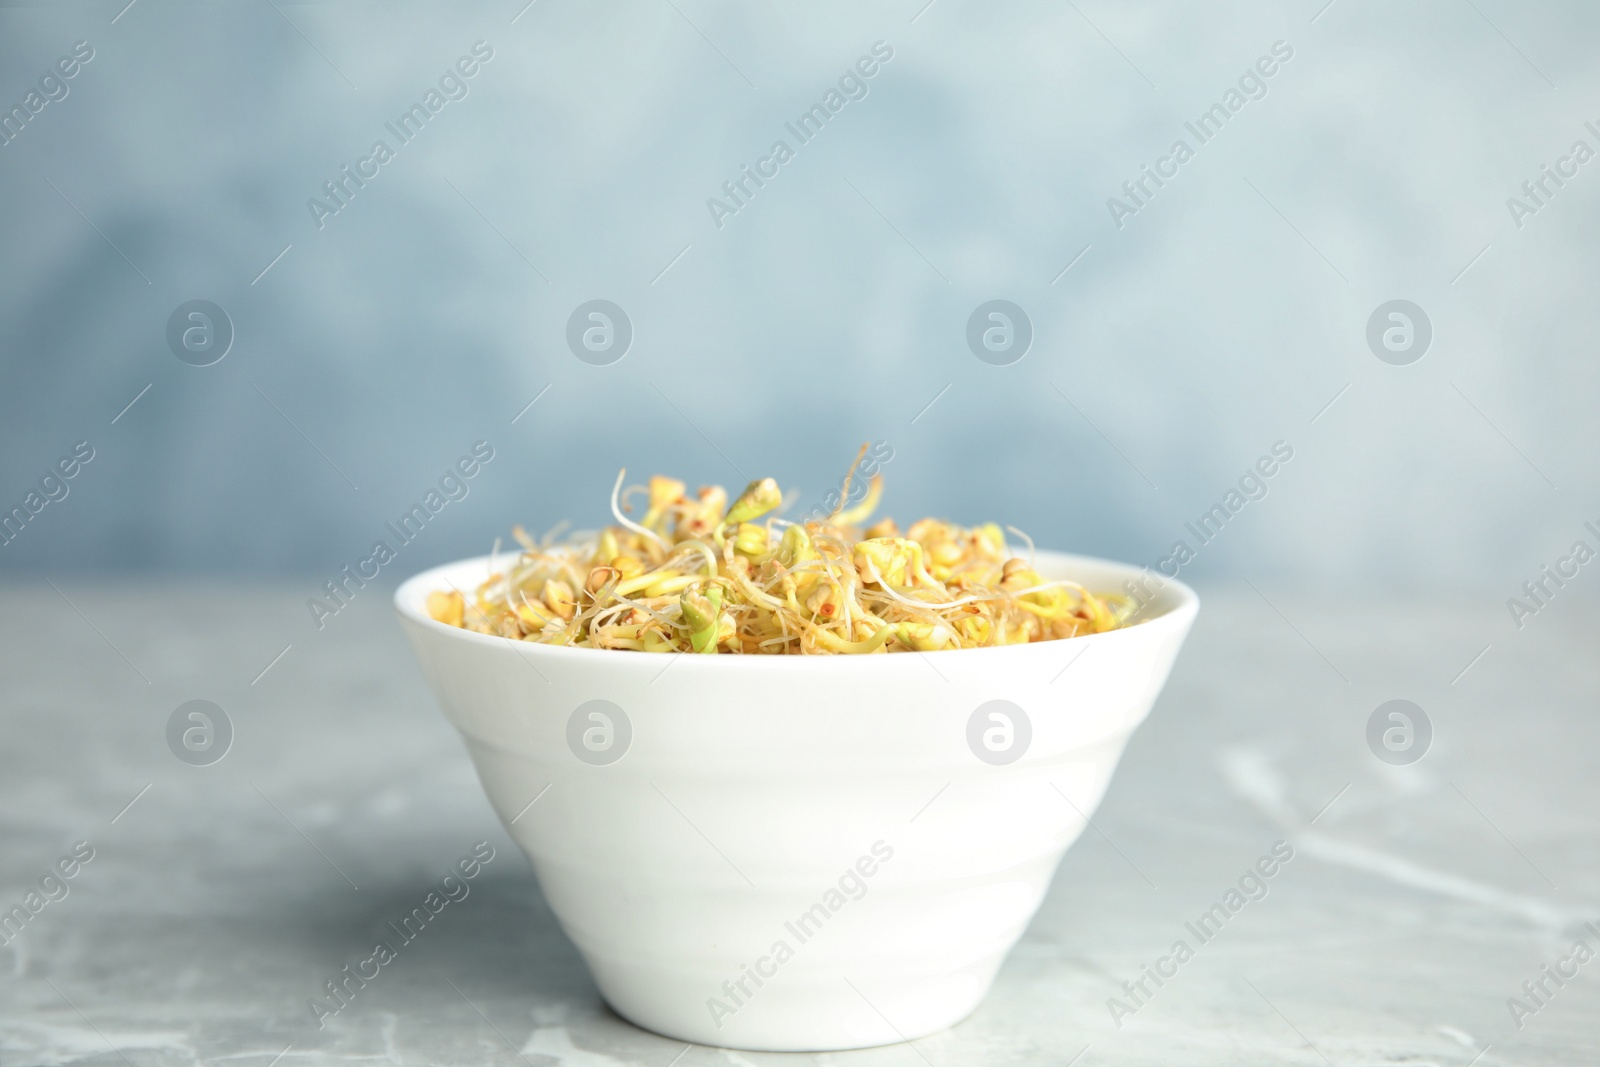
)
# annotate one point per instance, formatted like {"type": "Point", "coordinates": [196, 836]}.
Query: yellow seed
{"type": "Point", "coordinates": [796, 547]}
{"type": "Point", "coordinates": [989, 541]}
{"type": "Point", "coordinates": [1016, 574]}
{"type": "Point", "coordinates": [598, 577]}
{"type": "Point", "coordinates": [629, 586]}
{"type": "Point", "coordinates": [705, 515]}
{"type": "Point", "coordinates": [447, 608]}
{"type": "Point", "coordinates": [533, 616]}
{"type": "Point", "coordinates": [559, 599]}
{"type": "Point", "coordinates": [1100, 616]}
{"type": "Point", "coordinates": [750, 539]}
{"type": "Point", "coordinates": [1068, 627]}
{"type": "Point", "coordinates": [924, 636]}
{"type": "Point", "coordinates": [884, 559]}
{"type": "Point", "coordinates": [623, 636]}
{"type": "Point", "coordinates": [825, 601]}
{"type": "Point", "coordinates": [677, 583]}
{"type": "Point", "coordinates": [975, 629]}
{"type": "Point", "coordinates": [929, 532]}
{"type": "Point", "coordinates": [664, 492]}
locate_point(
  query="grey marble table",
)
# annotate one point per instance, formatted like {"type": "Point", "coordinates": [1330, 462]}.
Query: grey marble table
{"type": "Point", "coordinates": [219, 898]}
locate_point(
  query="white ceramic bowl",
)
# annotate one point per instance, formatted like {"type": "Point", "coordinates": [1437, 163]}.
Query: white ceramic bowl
{"type": "Point", "coordinates": [797, 852]}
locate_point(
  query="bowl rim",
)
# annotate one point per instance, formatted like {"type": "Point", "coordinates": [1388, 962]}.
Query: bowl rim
{"type": "Point", "coordinates": [410, 598]}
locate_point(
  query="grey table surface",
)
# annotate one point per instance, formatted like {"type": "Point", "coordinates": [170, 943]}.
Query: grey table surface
{"type": "Point", "coordinates": [1419, 901]}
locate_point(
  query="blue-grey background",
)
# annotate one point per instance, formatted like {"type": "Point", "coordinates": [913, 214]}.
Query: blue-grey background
{"type": "Point", "coordinates": [1223, 317]}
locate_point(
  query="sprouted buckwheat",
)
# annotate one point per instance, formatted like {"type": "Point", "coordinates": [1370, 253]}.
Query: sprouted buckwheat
{"type": "Point", "coordinates": [697, 574]}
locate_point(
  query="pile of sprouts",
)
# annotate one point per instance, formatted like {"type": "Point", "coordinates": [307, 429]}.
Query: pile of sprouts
{"type": "Point", "coordinates": [698, 574]}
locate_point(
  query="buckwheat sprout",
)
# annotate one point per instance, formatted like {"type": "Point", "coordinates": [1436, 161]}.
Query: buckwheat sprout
{"type": "Point", "coordinates": [854, 516]}
{"type": "Point", "coordinates": [550, 535]}
{"type": "Point", "coordinates": [710, 556]}
{"type": "Point", "coordinates": [494, 557]}
{"type": "Point", "coordinates": [844, 490]}
{"type": "Point", "coordinates": [1032, 555]}
{"type": "Point", "coordinates": [623, 520]}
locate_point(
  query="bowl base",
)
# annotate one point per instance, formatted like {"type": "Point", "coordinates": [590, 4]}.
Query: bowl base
{"type": "Point", "coordinates": [798, 1013]}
